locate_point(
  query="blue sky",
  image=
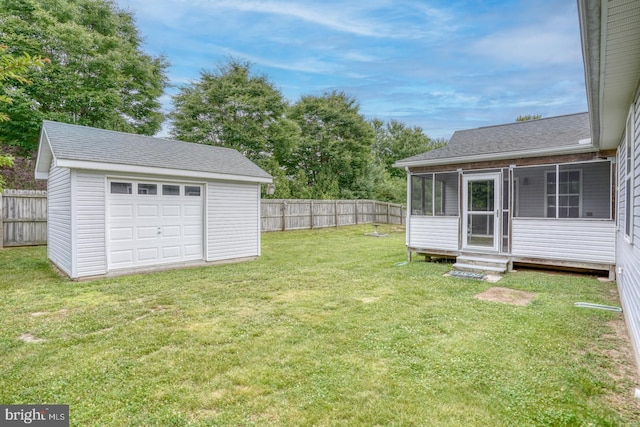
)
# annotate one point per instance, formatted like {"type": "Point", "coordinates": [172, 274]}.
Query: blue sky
{"type": "Point", "coordinates": [440, 65]}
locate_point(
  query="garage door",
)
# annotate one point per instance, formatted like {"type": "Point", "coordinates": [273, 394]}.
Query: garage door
{"type": "Point", "coordinates": [152, 223]}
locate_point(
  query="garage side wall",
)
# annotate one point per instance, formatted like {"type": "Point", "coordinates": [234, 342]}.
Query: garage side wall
{"type": "Point", "coordinates": [59, 218]}
{"type": "Point", "coordinates": [233, 217]}
{"type": "Point", "coordinates": [89, 210]}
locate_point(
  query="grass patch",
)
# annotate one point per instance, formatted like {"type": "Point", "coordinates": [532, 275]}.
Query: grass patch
{"type": "Point", "coordinates": [324, 329]}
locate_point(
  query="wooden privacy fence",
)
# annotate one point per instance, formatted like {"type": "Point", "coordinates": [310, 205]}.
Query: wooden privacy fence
{"type": "Point", "coordinates": [23, 215]}
{"type": "Point", "coordinates": [23, 218]}
{"type": "Point", "coordinates": [294, 214]}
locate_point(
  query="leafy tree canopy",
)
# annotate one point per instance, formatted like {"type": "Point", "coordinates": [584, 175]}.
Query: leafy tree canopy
{"type": "Point", "coordinates": [12, 69]}
{"type": "Point", "coordinates": [528, 117]}
{"type": "Point", "coordinates": [232, 107]}
{"type": "Point", "coordinates": [335, 145]}
{"type": "Point", "coordinates": [395, 141]}
{"type": "Point", "coordinates": [98, 74]}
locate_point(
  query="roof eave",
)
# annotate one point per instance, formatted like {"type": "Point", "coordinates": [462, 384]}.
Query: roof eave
{"type": "Point", "coordinates": [150, 170]}
{"type": "Point", "coordinates": [45, 155]}
{"type": "Point", "coordinates": [556, 151]}
{"type": "Point", "coordinates": [611, 52]}
{"type": "Point", "coordinates": [590, 21]}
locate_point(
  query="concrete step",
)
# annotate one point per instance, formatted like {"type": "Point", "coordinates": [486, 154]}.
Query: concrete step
{"type": "Point", "coordinates": [480, 268]}
{"type": "Point", "coordinates": [483, 261]}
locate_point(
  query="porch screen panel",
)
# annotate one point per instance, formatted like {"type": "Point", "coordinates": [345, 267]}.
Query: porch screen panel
{"type": "Point", "coordinates": [530, 191]}
{"type": "Point", "coordinates": [447, 199]}
{"type": "Point", "coordinates": [506, 208]}
{"type": "Point", "coordinates": [595, 190]}
{"type": "Point", "coordinates": [435, 194]}
{"type": "Point", "coordinates": [422, 195]}
{"type": "Point", "coordinates": [576, 190]}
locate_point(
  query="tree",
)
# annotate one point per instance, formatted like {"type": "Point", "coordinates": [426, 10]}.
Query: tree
{"type": "Point", "coordinates": [395, 141]}
{"type": "Point", "coordinates": [528, 117]}
{"type": "Point", "coordinates": [335, 147]}
{"type": "Point", "coordinates": [13, 68]}
{"type": "Point", "coordinates": [98, 74]}
{"type": "Point", "coordinates": [231, 107]}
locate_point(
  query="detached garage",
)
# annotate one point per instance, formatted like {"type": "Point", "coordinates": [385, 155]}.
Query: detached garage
{"type": "Point", "coordinates": [119, 202]}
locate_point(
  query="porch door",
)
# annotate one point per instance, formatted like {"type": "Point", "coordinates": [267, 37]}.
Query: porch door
{"type": "Point", "coordinates": [481, 216]}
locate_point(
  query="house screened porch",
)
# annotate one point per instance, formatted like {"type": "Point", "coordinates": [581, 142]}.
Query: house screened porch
{"type": "Point", "coordinates": [556, 214]}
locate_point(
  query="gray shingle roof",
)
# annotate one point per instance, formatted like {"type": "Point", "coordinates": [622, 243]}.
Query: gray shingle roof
{"type": "Point", "coordinates": [534, 135]}
{"type": "Point", "coordinates": [73, 142]}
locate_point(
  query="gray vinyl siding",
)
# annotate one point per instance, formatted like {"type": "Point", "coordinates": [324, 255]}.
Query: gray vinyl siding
{"type": "Point", "coordinates": [59, 218]}
{"type": "Point", "coordinates": [628, 255]}
{"type": "Point", "coordinates": [434, 232]}
{"type": "Point", "coordinates": [233, 216]}
{"type": "Point", "coordinates": [90, 223]}
{"type": "Point", "coordinates": [565, 240]}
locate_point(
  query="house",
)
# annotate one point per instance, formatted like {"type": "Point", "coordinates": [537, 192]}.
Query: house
{"type": "Point", "coordinates": [610, 33]}
{"type": "Point", "coordinates": [561, 191]}
{"type": "Point", "coordinates": [534, 192]}
{"type": "Point", "coordinates": [119, 202]}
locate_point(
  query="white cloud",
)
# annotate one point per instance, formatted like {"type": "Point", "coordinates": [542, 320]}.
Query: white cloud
{"type": "Point", "coordinates": [552, 42]}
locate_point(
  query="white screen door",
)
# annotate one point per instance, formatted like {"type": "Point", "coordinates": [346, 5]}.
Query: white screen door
{"type": "Point", "coordinates": [481, 219]}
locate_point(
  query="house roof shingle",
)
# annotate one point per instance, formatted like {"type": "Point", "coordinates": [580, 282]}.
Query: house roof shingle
{"type": "Point", "coordinates": [82, 143]}
{"type": "Point", "coordinates": [547, 134]}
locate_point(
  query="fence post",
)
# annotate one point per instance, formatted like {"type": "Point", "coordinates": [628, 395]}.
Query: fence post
{"type": "Point", "coordinates": [284, 215]}
{"type": "Point", "coordinates": [335, 210]}
{"type": "Point", "coordinates": [311, 213]}
{"type": "Point", "coordinates": [356, 212]}
{"type": "Point", "coordinates": [388, 213]}
{"type": "Point", "coordinates": [1, 222]}
{"type": "Point", "coordinates": [375, 212]}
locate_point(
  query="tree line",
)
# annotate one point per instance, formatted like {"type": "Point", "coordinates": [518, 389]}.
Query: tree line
{"type": "Point", "coordinates": [319, 146]}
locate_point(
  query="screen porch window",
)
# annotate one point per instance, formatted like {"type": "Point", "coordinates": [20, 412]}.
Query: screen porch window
{"type": "Point", "coordinates": [434, 194]}
{"type": "Point", "coordinates": [563, 191]}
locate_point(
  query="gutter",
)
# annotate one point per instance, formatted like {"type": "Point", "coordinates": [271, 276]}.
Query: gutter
{"type": "Point", "coordinates": [585, 148]}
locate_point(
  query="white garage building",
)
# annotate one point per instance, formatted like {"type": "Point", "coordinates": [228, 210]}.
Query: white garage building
{"type": "Point", "coordinates": [119, 202]}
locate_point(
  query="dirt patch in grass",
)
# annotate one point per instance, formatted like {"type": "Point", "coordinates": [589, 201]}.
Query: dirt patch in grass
{"type": "Point", "coordinates": [506, 296]}
{"type": "Point", "coordinates": [62, 312]}
{"type": "Point", "coordinates": [30, 338]}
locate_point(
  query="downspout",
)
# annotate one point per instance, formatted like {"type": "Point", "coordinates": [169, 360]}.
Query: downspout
{"type": "Point", "coordinates": [408, 218]}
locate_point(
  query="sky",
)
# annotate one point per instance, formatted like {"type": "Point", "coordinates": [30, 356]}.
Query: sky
{"type": "Point", "coordinates": [439, 65]}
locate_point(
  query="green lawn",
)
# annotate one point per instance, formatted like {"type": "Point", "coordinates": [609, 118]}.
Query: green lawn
{"type": "Point", "coordinates": [328, 327]}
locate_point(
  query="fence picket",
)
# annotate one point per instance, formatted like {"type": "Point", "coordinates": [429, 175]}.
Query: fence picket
{"type": "Point", "coordinates": [297, 214]}
{"type": "Point", "coordinates": [23, 218]}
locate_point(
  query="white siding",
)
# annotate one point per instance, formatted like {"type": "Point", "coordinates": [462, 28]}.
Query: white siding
{"type": "Point", "coordinates": [628, 255]}
{"type": "Point", "coordinates": [434, 232]}
{"type": "Point", "coordinates": [89, 202]}
{"type": "Point", "coordinates": [591, 241]}
{"type": "Point", "coordinates": [59, 218]}
{"type": "Point", "coordinates": [233, 220]}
